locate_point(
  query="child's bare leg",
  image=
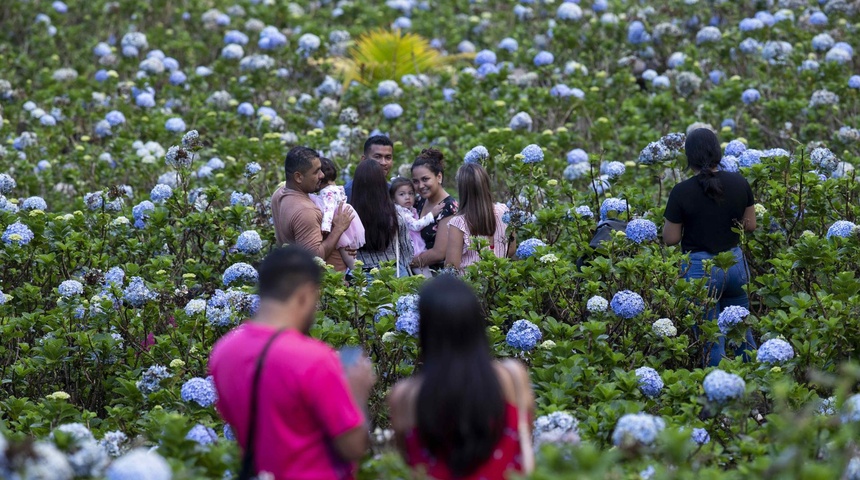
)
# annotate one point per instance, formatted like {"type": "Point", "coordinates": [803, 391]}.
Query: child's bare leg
{"type": "Point", "coordinates": [348, 259]}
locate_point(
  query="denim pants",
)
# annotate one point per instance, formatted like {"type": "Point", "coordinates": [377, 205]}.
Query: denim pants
{"type": "Point", "coordinates": [727, 287]}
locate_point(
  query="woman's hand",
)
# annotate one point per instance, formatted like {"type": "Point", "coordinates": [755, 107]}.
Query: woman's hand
{"type": "Point", "coordinates": [437, 209]}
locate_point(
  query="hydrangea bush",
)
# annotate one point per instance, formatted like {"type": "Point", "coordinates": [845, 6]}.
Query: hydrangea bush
{"type": "Point", "coordinates": [141, 145]}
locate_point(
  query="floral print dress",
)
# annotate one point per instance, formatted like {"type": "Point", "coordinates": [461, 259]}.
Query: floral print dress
{"type": "Point", "coordinates": [428, 233]}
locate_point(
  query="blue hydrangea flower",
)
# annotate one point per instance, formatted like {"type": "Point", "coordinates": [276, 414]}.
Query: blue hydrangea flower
{"type": "Point", "coordinates": [70, 288]}
{"type": "Point", "coordinates": [637, 429]}
{"type": "Point", "coordinates": [721, 387]}
{"type": "Point", "coordinates": [195, 306]}
{"type": "Point", "coordinates": [584, 211]}
{"type": "Point", "coordinates": [529, 247]}
{"type": "Point", "coordinates": [700, 436]}
{"type": "Point", "coordinates": [244, 199]}
{"type": "Point", "coordinates": [729, 164]}
{"type": "Point", "coordinates": [240, 272]}
{"type": "Point", "coordinates": [202, 435]}
{"type": "Point", "coordinates": [641, 230]}
{"type": "Point", "coordinates": [596, 304]}
{"type": "Point", "coordinates": [34, 203]}
{"type": "Point", "coordinates": [141, 212]}
{"type": "Point", "coordinates": [160, 193]}
{"type": "Point", "coordinates": [627, 304]}
{"type": "Point", "coordinates": [383, 312]}
{"type": "Point", "coordinates": [387, 88]}
{"type": "Point", "coordinates": [249, 242]}
{"type": "Point", "coordinates": [708, 35]}
{"type": "Point", "coordinates": [851, 409]}
{"type": "Point", "coordinates": [824, 159]}
{"type": "Point", "coordinates": [508, 44]}
{"type": "Point", "coordinates": [521, 121]}
{"type": "Point", "coordinates": [750, 24]}
{"type": "Point", "coordinates": [523, 335]}
{"type": "Point", "coordinates": [174, 124]}
{"type": "Point", "coordinates": [477, 155]}
{"type": "Point", "coordinates": [7, 183]}
{"type": "Point", "coordinates": [102, 129]}
{"type": "Point", "coordinates": [145, 100]}
{"type": "Point", "coordinates": [716, 76]}
{"type": "Point", "coordinates": [818, 19]}
{"type": "Point", "coordinates": [654, 152]}
{"type": "Point", "coordinates": [137, 293]}
{"type": "Point", "coordinates": [822, 42]}
{"type": "Point", "coordinates": [650, 382]}
{"type": "Point", "coordinates": [18, 233]}
{"type": "Point", "coordinates": [610, 205]}
{"type": "Point", "coordinates": [775, 350]}
{"type": "Point", "coordinates": [841, 228]}
{"type": "Point", "coordinates": [115, 118]}
{"type": "Point", "coordinates": [854, 81]}
{"type": "Point", "coordinates": [199, 390]}
{"type": "Point", "coordinates": [251, 169]}
{"type": "Point", "coordinates": [532, 154]}
{"type": "Point", "coordinates": [577, 155]}
{"type": "Point", "coordinates": [406, 303]}
{"type": "Point", "coordinates": [139, 464]}
{"type": "Point", "coordinates": [543, 58]}
{"type": "Point", "coordinates": [150, 381]}
{"type": "Point", "coordinates": [636, 33]}
{"type": "Point", "coordinates": [47, 120]}
{"type": "Point", "coordinates": [735, 148]}
{"type": "Point", "coordinates": [575, 171]}
{"type": "Point", "coordinates": [750, 157]}
{"type": "Point", "coordinates": [392, 111]}
{"type": "Point", "coordinates": [485, 57]}
{"type": "Point", "coordinates": [750, 95]}
{"type": "Point", "coordinates": [115, 276]}
{"type": "Point", "coordinates": [613, 169]}
{"type": "Point", "coordinates": [408, 322]}
{"type": "Point", "coordinates": [228, 433]}
{"type": "Point", "coordinates": [731, 316]}
{"type": "Point", "coordinates": [245, 109]}
{"type": "Point", "coordinates": [569, 11]}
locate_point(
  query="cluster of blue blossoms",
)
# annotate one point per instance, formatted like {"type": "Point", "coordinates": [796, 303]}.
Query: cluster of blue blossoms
{"type": "Point", "coordinates": [650, 382]}
{"type": "Point", "coordinates": [627, 304]}
{"type": "Point", "coordinates": [529, 247]}
{"type": "Point", "coordinates": [199, 390]}
{"type": "Point", "coordinates": [523, 335]}
{"type": "Point", "coordinates": [408, 319]}
{"type": "Point", "coordinates": [720, 387]}
{"type": "Point", "coordinates": [634, 429]}
{"type": "Point", "coordinates": [775, 350]}
{"type": "Point", "coordinates": [731, 316]}
{"type": "Point", "coordinates": [641, 230]}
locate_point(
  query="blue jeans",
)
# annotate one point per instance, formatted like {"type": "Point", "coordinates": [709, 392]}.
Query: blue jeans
{"type": "Point", "coordinates": [727, 288]}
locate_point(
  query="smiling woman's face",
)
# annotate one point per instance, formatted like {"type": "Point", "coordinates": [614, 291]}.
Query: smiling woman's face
{"type": "Point", "coordinates": [426, 182]}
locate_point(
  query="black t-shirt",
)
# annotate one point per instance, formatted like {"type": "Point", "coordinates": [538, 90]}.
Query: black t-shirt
{"type": "Point", "coordinates": [708, 224]}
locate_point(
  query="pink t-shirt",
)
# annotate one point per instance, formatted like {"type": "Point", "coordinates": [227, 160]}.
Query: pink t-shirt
{"type": "Point", "coordinates": [304, 401]}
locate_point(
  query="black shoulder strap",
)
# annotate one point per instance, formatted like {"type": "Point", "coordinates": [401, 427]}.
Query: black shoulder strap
{"type": "Point", "coordinates": [248, 471]}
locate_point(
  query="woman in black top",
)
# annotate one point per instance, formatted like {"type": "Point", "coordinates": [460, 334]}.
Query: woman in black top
{"type": "Point", "coordinates": [427, 172]}
{"type": "Point", "coordinates": [700, 214]}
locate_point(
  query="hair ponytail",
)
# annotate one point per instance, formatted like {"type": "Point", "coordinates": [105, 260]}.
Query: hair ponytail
{"type": "Point", "coordinates": [711, 184]}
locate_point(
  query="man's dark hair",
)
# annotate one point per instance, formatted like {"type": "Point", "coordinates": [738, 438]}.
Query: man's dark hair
{"type": "Point", "coordinates": [328, 169]}
{"type": "Point", "coordinates": [299, 159]}
{"type": "Point", "coordinates": [377, 140]}
{"type": "Point", "coordinates": [285, 270]}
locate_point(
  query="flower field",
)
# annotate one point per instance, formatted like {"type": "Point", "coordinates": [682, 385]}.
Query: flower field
{"type": "Point", "coordinates": [140, 143]}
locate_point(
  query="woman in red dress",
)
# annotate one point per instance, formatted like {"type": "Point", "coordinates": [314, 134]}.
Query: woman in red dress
{"type": "Point", "coordinates": [464, 415]}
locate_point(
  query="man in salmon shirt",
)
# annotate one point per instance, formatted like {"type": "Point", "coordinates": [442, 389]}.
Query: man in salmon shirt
{"type": "Point", "coordinates": [309, 409]}
{"type": "Point", "coordinates": [297, 219]}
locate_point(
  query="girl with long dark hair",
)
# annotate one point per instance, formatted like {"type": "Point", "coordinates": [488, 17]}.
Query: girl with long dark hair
{"type": "Point", "coordinates": [385, 236]}
{"type": "Point", "coordinates": [464, 415]}
{"type": "Point", "coordinates": [700, 215]}
{"type": "Point", "coordinates": [478, 217]}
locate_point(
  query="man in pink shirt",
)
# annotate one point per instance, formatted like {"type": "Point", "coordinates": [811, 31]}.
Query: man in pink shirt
{"type": "Point", "coordinates": [309, 411]}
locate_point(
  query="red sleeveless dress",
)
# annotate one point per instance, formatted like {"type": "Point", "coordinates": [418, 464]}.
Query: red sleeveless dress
{"type": "Point", "coordinates": [507, 456]}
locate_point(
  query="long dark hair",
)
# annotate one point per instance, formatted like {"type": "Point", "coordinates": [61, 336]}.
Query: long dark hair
{"type": "Point", "coordinates": [373, 205]}
{"type": "Point", "coordinates": [461, 406]}
{"type": "Point", "coordinates": [476, 201]}
{"type": "Point", "coordinates": [703, 154]}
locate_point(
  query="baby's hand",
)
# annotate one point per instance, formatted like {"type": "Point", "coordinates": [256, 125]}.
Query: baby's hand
{"type": "Point", "coordinates": [437, 209]}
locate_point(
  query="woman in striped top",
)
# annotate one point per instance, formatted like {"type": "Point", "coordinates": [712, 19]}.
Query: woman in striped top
{"type": "Point", "coordinates": [478, 218]}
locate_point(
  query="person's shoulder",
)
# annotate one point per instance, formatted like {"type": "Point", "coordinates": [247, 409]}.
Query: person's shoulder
{"type": "Point", "coordinates": [228, 342]}
{"type": "Point", "coordinates": [500, 208]}
{"type": "Point", "coordinates": [734, 177]}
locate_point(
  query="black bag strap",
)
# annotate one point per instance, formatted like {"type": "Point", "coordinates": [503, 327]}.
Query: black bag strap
{"type": "Point", "coordinates": [248, 471]}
